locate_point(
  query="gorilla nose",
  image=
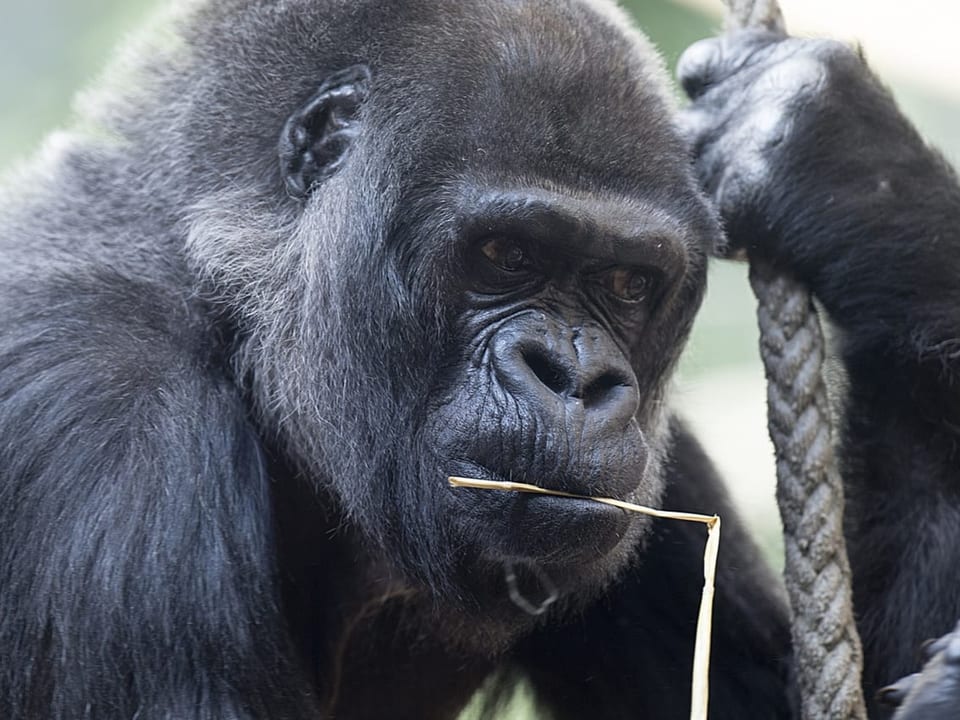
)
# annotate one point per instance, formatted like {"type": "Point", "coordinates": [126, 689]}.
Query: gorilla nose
{"type": "Point", "coordinates": [594, 385]}
{"type": "Point", "coordinates": [570, 374]}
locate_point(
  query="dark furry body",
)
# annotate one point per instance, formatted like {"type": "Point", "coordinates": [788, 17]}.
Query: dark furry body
{"type": "Point", "coordinates": [211, 501]}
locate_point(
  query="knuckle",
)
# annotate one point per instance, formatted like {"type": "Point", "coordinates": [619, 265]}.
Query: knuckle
{"type": "Point", "coordinates": [798, 75]}
{"type": "Point", "coordinates": [751, 47]}
{"type": "Point", "coordinates": [834, 51]}
{"type": "Point", "coordinates": [838, 59]}
{"type": "Point", "coordinates": [698, 65]}
{"type": "Point", "coordinates": [692, 124]}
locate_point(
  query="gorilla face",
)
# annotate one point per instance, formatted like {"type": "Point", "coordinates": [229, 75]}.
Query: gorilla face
{"type": "Point", "coordinates": [494, 253]}
{"type": "Point", "coordinates": [557, 302]}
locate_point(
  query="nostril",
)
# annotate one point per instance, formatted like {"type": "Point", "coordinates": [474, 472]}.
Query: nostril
{"type": "Point", "coordinates": [610, 387]}
{"type": "Point", "coordinates": [548, 371]}
{"type": "Point", "coordinates": [604, 387]}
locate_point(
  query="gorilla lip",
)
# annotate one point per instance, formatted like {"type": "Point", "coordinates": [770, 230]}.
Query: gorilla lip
{"type": "Point", "coordinates": [700, 684]}
{"type": "Point", "coordinates": [543, 527]}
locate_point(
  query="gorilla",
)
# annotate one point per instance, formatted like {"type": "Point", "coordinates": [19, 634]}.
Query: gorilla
{"type": "Point", "coordinates": [305, 259]}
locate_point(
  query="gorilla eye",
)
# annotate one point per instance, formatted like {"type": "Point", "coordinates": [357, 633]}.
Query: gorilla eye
{"type": "Point", "coordinates": [505, 254]}
{"type": "Point", "coordinates": [631, 285]}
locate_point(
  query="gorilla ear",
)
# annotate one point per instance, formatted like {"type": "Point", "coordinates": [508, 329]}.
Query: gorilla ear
{"type": "Point", "coordinates": [316, 137]}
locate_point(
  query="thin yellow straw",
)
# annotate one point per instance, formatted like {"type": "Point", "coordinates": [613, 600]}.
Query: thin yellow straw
{"type": "Point", "coordinates": [700, 686]}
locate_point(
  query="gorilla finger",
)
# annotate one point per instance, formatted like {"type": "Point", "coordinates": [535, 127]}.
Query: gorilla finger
{"type": "Point", "coordinates": [894, 695]}
{"type": "Point", "coordinates": [708, 63]}
{"type": "Point", "coordinates": [695, 124]}
{"type": "Point", "coordinates": [931, 647]}
{"type": "Point", "coordinates": [949, 644]}
{"type": "Point", "coordinates": [733, 198]}
{"type": "Point", "coordinates": [699, 66]}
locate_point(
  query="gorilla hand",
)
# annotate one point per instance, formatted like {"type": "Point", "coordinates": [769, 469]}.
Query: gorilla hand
{"type": "Point", "coordinates": [778, 125]}
{"type": "Point", "coordinates": [814, 168]}
{"type": "Point", "coordinates": [934, 692]}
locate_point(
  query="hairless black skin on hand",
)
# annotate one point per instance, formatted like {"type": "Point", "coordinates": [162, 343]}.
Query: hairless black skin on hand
{"type": "Point", "coordinates": [313, 257]}
{"type": "Point", "coordinates": [815, 170]}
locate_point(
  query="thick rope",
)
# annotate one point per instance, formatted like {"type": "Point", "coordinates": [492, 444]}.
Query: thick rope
{"type": "Point", "coordinates": [826, 646]}
{"type": "Point", "coordinates": [827, 651]}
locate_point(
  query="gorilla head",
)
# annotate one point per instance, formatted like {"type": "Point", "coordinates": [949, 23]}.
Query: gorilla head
{"type": "Point", "coordinates": [478, 254]}
{"type": "Point", "coordinates": [488, 255]}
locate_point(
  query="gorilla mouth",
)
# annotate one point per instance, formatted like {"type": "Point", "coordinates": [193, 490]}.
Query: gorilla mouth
{"type": "Point", "coordinates": [538, 528]}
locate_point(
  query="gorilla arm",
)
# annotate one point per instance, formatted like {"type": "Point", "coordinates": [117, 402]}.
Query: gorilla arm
{"type": "Point", "coordinates": [131, 473]}
{"type": "Point", "coordinates": [816, 171]}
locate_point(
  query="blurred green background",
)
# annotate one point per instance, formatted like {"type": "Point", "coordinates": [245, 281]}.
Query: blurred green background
{"type": "Point", "coordinates": [51, 48]}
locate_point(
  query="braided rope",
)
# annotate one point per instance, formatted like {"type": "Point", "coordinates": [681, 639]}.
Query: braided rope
{"type": "Point", "coordinates": [827, 651]}
{"type": "Point", "coordinates": [829, 658]}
